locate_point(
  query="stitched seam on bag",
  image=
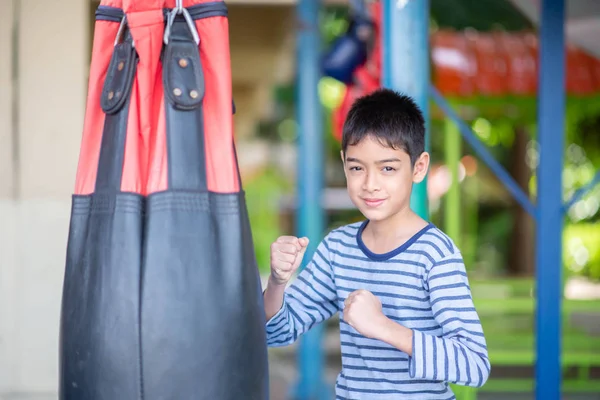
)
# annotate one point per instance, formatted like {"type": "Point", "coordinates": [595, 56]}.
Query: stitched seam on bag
{"type": "Point", "coordinates": [182, 201]}
{"type": "Point", "coordinates": [106, 204]}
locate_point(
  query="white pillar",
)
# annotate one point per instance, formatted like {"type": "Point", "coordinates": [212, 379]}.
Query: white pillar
{"type": "Point", "coordinates": [53, 54]}
{"type": "Point", "coordinates": [6, 132]}
{"type": "Point", "coordinates": [53, 66]}
{"type": "Point", "coordinates": [7, 258]}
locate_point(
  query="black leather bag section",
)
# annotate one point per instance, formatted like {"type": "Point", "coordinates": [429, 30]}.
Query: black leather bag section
{"type": "Point", "coordinates": [99, 330]}
{"type": "Point", "coordinates": [203, 333]}
{"type": "Point", "coordinates": [183, 76]}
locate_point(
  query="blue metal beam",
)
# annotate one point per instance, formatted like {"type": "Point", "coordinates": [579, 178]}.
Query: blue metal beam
{"type": "Point", "coordinates": [405, 66]}
{"type": "Point", "coordinates": [551, 136]}
{"type": "Point", "coordinates": [310, 216]}
{"type": "Point", "coordinates": [581, 192]}
{"type": "Point", "coordinates": [497, 168]}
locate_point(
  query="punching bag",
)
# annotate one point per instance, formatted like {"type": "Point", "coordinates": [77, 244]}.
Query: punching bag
{"type": "Point", "coordinates": [162, 297]}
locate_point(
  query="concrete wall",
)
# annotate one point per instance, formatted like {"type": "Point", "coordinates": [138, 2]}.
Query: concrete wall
{"type": "Point", "coordinates": [52, 47]}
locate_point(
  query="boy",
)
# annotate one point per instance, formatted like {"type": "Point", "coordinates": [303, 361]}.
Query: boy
{"type": "Point", "coordinates": [407, 322]}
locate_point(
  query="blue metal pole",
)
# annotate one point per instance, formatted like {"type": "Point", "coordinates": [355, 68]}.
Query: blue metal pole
{"type": "Point", "coordinates": [582, 191]}
{"type": "Point", "coordinates": [406, 66]}
{"type": "Point", "coordinates": [551, 122]}
{"type": "Point", "coordinates": [310, 216]}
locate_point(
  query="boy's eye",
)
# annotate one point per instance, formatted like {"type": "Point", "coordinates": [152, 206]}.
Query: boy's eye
{"type": "Point", "coordinates": [355, 168]}
{"type": "Point", "coordinates": [388, 169]}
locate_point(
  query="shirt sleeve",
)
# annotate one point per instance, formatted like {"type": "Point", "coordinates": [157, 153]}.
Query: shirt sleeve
{"type": "Point", "coordinates": [311, 299]}
{"type": "Point", "coordinates": [460, 354]}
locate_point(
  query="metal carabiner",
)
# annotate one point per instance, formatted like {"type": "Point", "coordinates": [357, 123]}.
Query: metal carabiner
{"type": "Point", "coordinates": [121, 30]}
{"type": "Point", "coordinates": [179, 10]}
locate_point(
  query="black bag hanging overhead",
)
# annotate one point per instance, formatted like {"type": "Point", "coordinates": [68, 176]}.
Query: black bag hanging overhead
{"type": "Point", "coordinates": [162, 297]}
{"type": "Point", "coordinates": [100, 347]}
{"type": "Point", "coordinates": [201, 301]}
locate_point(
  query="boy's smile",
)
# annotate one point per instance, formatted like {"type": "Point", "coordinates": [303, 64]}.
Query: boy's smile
{"type": "Point", "coordinates": [374, 203]}
{"type": "Point", "coordinates": [379, 178]}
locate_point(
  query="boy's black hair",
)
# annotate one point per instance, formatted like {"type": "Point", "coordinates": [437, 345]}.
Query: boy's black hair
{"type": "Point", "coordinates": [392, 118]}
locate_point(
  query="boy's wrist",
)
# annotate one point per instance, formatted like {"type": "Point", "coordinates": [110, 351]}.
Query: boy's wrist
{"type": "Point", "coordinates": [274, 283]}
{"type": "Point", "coordinates": [384, 328]}
{"type": "Point", "coordinates": [273, 297]}
{"type": "Point", "coordinates": [397, 335]}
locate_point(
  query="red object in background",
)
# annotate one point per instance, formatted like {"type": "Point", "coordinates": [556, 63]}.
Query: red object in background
{"type": "Point", "coordinates": [579, 79]}
{"type": "Point", "coordinates": [490, 77]}
{"type": "Point", "coordinates": [595, 71]}
{"type": "Point", "coordinates": [364, 84]}
{"type": "Point", "coordinates": [521, 64]}
{"type": "Point", "coordinates": [530, 41]}
{"type": "Point", "coordinates": [453, 63]}
{"type": "Point", "coordinates": [367, 78]}
{"type": "Point", "coordinates": [467, 63]}
{"type": "Point", "coordinates": [374, 61]}
{"type": "Point", "coordinates": [339, 114]}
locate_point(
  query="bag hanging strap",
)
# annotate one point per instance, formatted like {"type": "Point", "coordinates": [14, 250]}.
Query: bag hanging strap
{"type": "Point", "coordinates": [184, 85]}
{"type": "Point", "coordinates": [114, 101]}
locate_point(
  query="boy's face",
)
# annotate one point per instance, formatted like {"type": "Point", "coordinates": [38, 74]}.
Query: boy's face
{"type": "Point", "coordinates": [380, 178]}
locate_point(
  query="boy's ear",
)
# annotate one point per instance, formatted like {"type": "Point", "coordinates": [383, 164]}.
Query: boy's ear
{"type": "Point", "coordinates": [421, 167]}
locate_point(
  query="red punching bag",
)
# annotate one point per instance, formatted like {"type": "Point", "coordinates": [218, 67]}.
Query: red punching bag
{"type": "Point", "coordinates": [162, 297]}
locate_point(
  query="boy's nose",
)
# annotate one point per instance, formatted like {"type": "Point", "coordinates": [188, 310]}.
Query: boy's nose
{"type": "Point", "coordinates": [371, 183]}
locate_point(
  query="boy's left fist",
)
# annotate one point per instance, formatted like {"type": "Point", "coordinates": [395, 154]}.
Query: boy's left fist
{"type": "Point", "coordinates": [363, 312]}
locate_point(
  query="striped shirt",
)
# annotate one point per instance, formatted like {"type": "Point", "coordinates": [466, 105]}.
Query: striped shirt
{"type": "Point", "coordinates": [422, 285]}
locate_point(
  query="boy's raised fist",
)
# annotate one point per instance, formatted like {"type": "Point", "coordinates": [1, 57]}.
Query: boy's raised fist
{"type": "Point", "coordinates": [286, 256]}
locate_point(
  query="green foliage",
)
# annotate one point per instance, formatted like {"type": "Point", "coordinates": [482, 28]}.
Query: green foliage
{"type": "Point", "coordinates": [263, 194]}
{"type": "Point", "coordinates": [581, 253]}
{"type": "Point", "coordinates": [333, 23]}
{"type": "Point", "coordinates": [483, 15]}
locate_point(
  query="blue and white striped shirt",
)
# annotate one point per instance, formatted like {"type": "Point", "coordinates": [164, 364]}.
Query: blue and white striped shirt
{"type": "Point", "coordinates": [422, 285]}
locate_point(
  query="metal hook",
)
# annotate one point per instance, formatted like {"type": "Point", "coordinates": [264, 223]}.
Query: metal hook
{"type": "Point", "coordinates": [178, 10]}
{"type": "Point", "coordinates": [121, 30]}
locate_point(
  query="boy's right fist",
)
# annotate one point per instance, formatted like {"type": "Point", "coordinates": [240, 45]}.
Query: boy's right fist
{"type": "Point", "coordinates": [286, 256]}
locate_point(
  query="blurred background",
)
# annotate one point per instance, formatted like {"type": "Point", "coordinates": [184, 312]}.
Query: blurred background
{"type": "Point", "coordinates": [483, 60]}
